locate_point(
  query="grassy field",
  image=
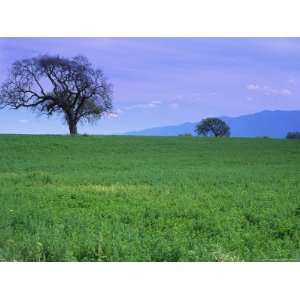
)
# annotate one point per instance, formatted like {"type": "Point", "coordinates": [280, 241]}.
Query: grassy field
{"type": "Point", "coordinates": [148, 199]}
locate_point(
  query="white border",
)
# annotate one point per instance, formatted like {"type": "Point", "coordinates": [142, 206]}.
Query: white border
{"type": "Point", "coordinates": [115, 18]}
{"type": "Point", "coordinates": [149, 281]}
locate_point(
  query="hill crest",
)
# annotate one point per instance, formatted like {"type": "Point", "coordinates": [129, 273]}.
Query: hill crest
{"type": "Point", "coordinates": [275, 124]}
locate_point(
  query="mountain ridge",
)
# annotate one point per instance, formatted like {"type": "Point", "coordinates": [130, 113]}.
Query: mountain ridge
{"type": "Point", "coordinates": [271, 123]}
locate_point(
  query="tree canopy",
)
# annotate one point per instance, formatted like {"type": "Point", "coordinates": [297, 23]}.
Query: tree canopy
{"type": "Point", "coordinates": [53, 84]}
{"type": "Point", "coordinates": [212, 127]}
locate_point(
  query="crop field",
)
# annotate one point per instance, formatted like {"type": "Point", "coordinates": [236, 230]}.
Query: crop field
{"type": "Point", "coordinates": [121, 198]}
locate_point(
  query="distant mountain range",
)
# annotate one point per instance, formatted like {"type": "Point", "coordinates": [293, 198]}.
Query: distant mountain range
{"type": "Point", "coordinates": [275, 124]}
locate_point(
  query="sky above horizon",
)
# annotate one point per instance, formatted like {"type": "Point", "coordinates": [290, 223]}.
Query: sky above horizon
{"type": "Point", "coordinates": [167, 81]}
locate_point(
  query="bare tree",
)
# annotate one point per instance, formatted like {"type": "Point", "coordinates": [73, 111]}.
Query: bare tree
{"type": "Point", "coordinates": [52, 84]}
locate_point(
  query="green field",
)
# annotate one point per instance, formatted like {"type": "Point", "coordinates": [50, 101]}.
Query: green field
{"type": "Point", "coordinates": [124, 198]}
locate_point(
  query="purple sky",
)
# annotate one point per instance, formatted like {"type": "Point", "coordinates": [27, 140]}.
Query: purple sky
{"type": "Point", "coordinates": [166, 81]}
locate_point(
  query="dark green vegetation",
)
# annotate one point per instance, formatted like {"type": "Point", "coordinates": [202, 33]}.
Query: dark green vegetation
{"type": "Point", "coordinates": [212, 127]}
{"type": "Point", "coordinates": [293, 135]}
{"type": "Point", "coordinates": [148, 199]}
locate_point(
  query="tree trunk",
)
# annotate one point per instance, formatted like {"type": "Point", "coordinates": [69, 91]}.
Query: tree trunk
{"type": "Point", "coordinates": [72, 127]}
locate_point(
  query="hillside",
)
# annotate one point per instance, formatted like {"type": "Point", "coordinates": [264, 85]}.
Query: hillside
{"type": "Point", "coordinates": [121, 198]}
{"type": "Point", "coordinates": [273, 124]}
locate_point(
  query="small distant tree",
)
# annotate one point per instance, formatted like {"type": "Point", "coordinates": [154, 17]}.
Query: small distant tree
{"type": "Point", "coordinates": [53, 84]}
{"type": "Point", "coordinates": [185, 134]}
{"type": "Point", "coordinates": [293, 135]}
{"type": "Point", "coordinates": [212, 127]}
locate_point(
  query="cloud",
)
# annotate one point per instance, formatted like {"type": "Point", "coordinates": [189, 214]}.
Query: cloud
{"type": "Point", "coordinates": [286, 92]}
{"type": "Point", "coordinates": [267, 90]}
{"type": "Point", "coordinates": [23, 121]}
{"type": "Point", "coordinates": [152, 104]}
{"type": "Point", "coordinates": [292, 81]}
{"type": "Point", "coordinates": [276, 92]}
{"type": "Point", "coordinates": [252, 87]}
{"type": "Point", "coordinates": [113, 115]}
{"type": "Point", "coordinates": [283, 46]}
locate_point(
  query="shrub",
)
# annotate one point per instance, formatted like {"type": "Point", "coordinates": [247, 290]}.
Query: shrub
{"type": "Point", "coordinates": [185, 134]}
{"type": "Point", "coordinates": [293, 135]}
